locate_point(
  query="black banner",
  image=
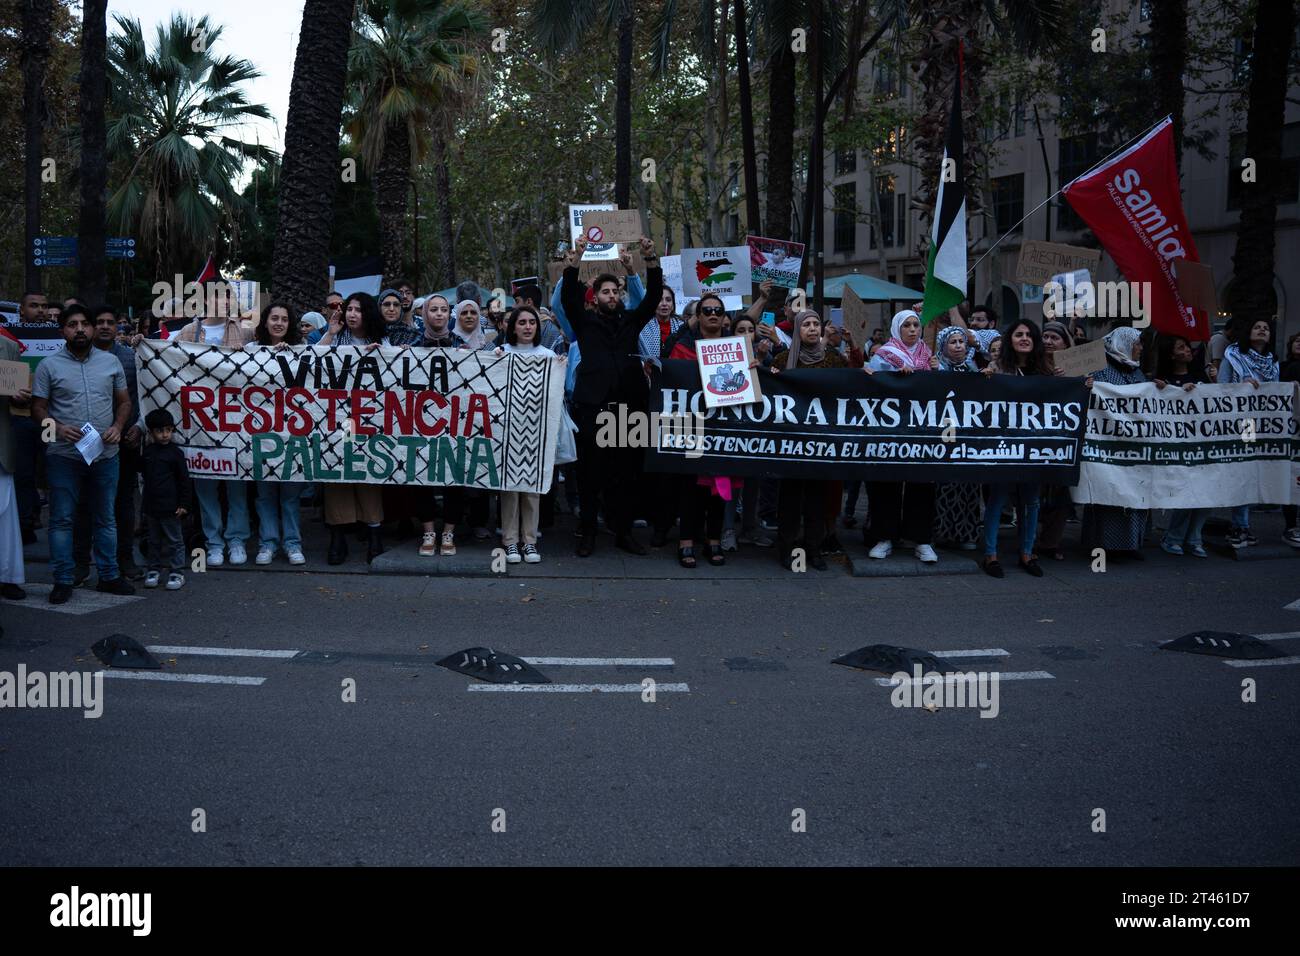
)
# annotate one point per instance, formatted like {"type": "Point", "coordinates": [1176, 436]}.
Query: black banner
{"type": "Point", "coordinates": [846, 424]}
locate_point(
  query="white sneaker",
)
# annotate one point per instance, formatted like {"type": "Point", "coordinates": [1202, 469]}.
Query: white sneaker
{"type": "Point", "coordinates": [151, 579]}
{"type": "Point", "coordinates": [532, 555]}
{"type": "Point", "coordinates": [216, 557]}
{"type": "Point", "coordinates": [264, 556]}
{"type": "Point", "coordinates": [926, 554]}
{"type": "Point", "coordinates": [883, 549]}
{"type": "Point", "coordinates": [175, 581]}
{"type": "Point", "coordinates": [295, 556]}
{"type": "Point", "coordinates": [729, 541]}
{"type": "Point", "coordinates": [237, 553]}
{"type": "Point", "coordinates": [512, 554]}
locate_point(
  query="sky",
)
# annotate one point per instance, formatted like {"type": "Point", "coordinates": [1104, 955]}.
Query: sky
{"type": "Point", "coordinates": [263, 31]}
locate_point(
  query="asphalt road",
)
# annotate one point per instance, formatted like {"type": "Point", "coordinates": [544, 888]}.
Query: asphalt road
{"type": "Point", "coordinates": [419, 767]}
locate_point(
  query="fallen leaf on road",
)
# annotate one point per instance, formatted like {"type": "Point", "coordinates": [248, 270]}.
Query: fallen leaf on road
{"type": "Point", "coordinates": [424, 647]}
{"type": "Point", "coordinates": [526, 598]}
{"type": "Point", "coordinates": [1046, 620]}
{"type": "Point", "coordinates": [931, 708]}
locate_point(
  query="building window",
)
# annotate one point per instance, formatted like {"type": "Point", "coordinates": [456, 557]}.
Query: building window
{"type": "Point", "coordinates": [1008, 202]}
{"type": "Point", "coordinates": [885, 213]}
{"type": "Point", "coordinates": [846, 217]}
{"type": "Point", "coordinates": [1288, 186]}
{"type": "Point", "coordinates": [734, 170]}
{"type": "Point", "coordinates": [846, 161]}
{"type": "Point", "coordinates": [900, 207]}
{"type": "Point", "coordinates": [1019, 120]}
{"type": "Point", "coordinates": [1144, 10]}
{"type": "Point", "coordinates": [1075, 155]}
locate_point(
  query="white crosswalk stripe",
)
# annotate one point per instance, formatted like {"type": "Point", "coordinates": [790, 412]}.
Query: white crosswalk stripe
{"type": "Point", "coordinates": [579, 688]}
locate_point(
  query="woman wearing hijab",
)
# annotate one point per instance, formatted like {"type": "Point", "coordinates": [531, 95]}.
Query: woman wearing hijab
{"type": "Point", "coordinates": [436, 319]}
{"type": "Point", "coordinates": [958, 506]}
{"type": "Point", "coordinates": [348, 503]}
{"type": "Point", "coordinates": [988, 342]}
{"type": "Point", "coordinates": [1176, 365]}
{"type": "Point", "coordinates": [311, 327]}
{"type": "Point", "coordinates": [1054, 510]}
{"type": "Point", "coordinates": [396, 329]}
{"type": "Point", "coordinates": [468, 333]}
{"type": "Point", "coordinates": [1022, 353]}
{"type": "Point", "coordinates": [1112, 528]}
{"type": "Point", "coordinates": [803, 501]}
{"type": "Point", "coordinates": [898, 509]}
{"type": "Point", "coordinates": [1249, 359]}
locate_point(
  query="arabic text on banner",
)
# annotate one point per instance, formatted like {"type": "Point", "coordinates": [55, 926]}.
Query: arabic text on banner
{"type": "Point", "coordinates": [389, 416]}
{"type": "Point", "coordinates": [843, 423]}
{"type": "Point", "coordinates": [1167, 448]}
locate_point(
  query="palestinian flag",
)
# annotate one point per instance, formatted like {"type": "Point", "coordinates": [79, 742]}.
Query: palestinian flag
{"type": "Point", "coordinates": [945, 273]}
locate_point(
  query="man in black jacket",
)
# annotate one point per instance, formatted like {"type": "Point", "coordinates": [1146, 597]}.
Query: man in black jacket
{"type": "Point", "coordinates": [609, 374]}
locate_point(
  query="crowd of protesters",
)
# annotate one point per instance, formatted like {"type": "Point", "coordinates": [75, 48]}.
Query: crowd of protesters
{"type": "Point", "coordinates": [609, 336]}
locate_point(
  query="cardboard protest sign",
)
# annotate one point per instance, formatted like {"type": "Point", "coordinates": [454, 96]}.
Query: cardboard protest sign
{"type": "Point", "coordinates": [620, 225]}
{"type": "Point", "coordinates": [1039, 261]}
{"type": "Point", "coordinates": [13, 376]}
{"type": "Point", "coordinates": [389, 416]}
{"type": "Point", "coordinates": [1079, 361]}
{"type": "Point", "coordinates": [577, 215]}
{"type": "Point", "coordinates": [588, 270]}
{"type": "Point", "coordinates": [856, 318]}
{"type": "Point", "coordinates": [1196, 285]}
{"type": "Point", "coordinates": [672, 266]}
{"type": "Point", "coordinates": [1071, 294]}
{"type": "Point", "coordinates": [725, 372]}
{"type": "Point", "coordinates": [775, 259]}
{"type": "Point", "coordinates": [724, 270]}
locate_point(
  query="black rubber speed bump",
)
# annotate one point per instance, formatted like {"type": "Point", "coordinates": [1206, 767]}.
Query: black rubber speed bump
{"type": "Point", "coordinates": [483, 663]}
{"type": "Point", "coordinates": [118, 650]}
{"type": "Point", "coordinates": [889, 659]}
{"type": "Point", "coordinates": [1223, 644]}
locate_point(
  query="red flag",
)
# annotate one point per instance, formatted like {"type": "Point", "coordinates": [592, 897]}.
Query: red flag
{"type": "Point", "coordinates": [1134, 206]}
{"type": "Point", "coordinates": [209, 272]}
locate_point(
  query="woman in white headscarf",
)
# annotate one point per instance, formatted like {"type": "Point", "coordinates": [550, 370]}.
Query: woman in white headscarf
{"type": "Point", "coordinates": [1117, 530]}
{"type": "Point", "coordinates": [468, 333]}
{"type": "Point", "coordinates": [898, 509]}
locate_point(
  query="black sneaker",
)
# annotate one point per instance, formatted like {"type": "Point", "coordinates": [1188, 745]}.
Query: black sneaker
{"type": "Point", "coordinates": [60, 593]}
{"type": "Point", "coordinates": [79, 576]}
{"type": "Point", "coordinates": [12, 592]}
{"type": "Point", "coordinates": [115, 586]}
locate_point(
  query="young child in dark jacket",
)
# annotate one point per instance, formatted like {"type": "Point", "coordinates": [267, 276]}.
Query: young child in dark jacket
{"type": "Point", "coordinates": [166, 501]}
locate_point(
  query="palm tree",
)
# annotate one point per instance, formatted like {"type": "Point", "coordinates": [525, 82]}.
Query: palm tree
{"type": "Point", "coordinates": [310, 170]}
{"type": "Point", "coordinates": [560, 25]}
{"type": "Point", "coordinates": [37, 21]}
{"type": "Point", "coordinates": [410, 64]}
{"type": "Point", "coordinates": [1253, 260]}
{"type": "Point", "coordinates": [173, 110]}
{"type": "Point", "coordinates": [1168, 60]}
{"type": "Point", "coordinates": [93, 277]}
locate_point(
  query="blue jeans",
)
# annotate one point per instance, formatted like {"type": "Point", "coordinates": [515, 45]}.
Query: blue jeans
{"type": "Point", "coordinates": [1185, 526]}
{"type": "Point", "coordinates": [69, 479]}
{"type": "Point", "coordinates": [236, 524]}
{"type": "Point", "coordinates": [1026, 515]}
{"type": "Point", "coordinates": [277, 514]}
{"type": "Point", "coordinates": [1241, 517]}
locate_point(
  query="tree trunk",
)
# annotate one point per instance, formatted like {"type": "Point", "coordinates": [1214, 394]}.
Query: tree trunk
{"type": "Point", "coordinates": [623, 109]}
{"type": "Point", "coordinates": [1168, 59]}
{"type": "Point", "coordinates": [752, 213]}
{"type": "Point", "coordinates": [93, 275]}
{"type": "Point", "coordinates": [442, 209]}
{"type": "Point", "coordinates": [310, 170]}
{"type": "Point", "coordinates": [37, 19]}
{"type": "Point", "coordinates": [1253, 260]}
{"type": "Point", "coordinates": [392, 182]}
{"type": "Point", "coordinates": [780, 142]}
